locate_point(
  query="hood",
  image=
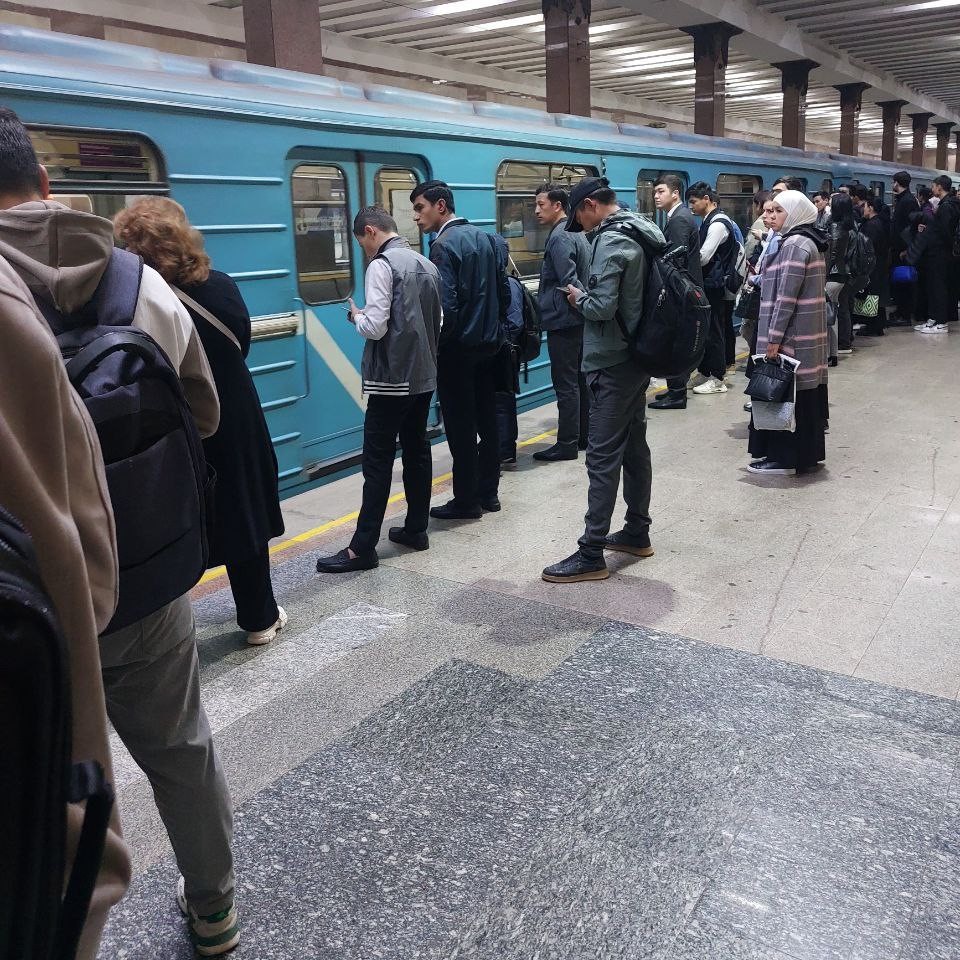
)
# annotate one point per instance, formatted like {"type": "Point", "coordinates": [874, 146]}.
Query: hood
{"type": "Point", "coordinates": [59, 253]}
{"type": "Point", "coordinates": [811, 232]}
{"type": "Point", "coordinates": [642, 225]}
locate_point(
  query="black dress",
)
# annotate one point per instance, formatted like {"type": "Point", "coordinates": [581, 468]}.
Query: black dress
{"type": "Point", "coordinates": [247, 500]}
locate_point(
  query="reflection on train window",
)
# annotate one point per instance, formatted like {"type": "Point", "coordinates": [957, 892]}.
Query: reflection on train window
{"type": "Point", "coordinates": [98, 171]}
{"type": "Point", "coordinates": [736, 192]}
{"type": "Point", "coordinates": [878, 186]}
{"type": "Point", "coordinates": [646, 180]}
{"type": "Point", "coordinates": [392, 188]}
{"type": "Point", "coordinates": [516, 202]}
{"type": "Point", "coordinates": [826, 186]}
{"type": "Point", "coordinates": [321, 227]}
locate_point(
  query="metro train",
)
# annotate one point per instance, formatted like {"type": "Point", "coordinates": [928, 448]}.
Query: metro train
{"type": "Point", "coordinates": [272, 165]}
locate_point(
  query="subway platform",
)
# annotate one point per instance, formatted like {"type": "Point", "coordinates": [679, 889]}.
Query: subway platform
{"type": "Point", "coordinates": [742, 748]}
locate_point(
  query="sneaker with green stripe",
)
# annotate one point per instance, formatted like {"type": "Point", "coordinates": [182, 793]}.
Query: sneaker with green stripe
{"type": "Point", "coordinates": [211, 935]}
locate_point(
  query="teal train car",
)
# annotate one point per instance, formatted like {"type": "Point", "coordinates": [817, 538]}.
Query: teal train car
{"type": "Point", "coordinates": [272, 165]}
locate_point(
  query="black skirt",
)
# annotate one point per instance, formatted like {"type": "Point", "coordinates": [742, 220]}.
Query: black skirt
{"type": "Point", "coordinates": [806, 446]}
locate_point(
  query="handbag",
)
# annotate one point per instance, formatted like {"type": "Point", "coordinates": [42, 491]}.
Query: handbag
{"type": "Point", "coordinates": [868, 306]}
{"type": "Point", "coordinates": [771, 380]}
{"type": "Point", "coordinates": [903, 273]}
{"type": "Point", "coordinates": [781, 416]}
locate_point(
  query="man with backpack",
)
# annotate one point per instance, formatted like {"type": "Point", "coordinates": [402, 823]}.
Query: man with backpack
{"type": "Point", "coordinates": [400, 323]}
{"type": "Point", "coordinates": [611, 303]}
{"type": "Point", "coordinates": [132, 348]}
{"type": "Point", "coordinates": [721, 247]}
{"type": "Point", "coordinates": [475, 298]}
{"type": "Point", "coordinates": [566, 258]}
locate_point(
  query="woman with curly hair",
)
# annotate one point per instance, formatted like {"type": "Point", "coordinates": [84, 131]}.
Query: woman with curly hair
{"type": "Point", "coordinates": [247, 503]}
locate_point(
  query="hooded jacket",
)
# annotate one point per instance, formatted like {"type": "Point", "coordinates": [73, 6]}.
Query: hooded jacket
{"type": "Point", "coordinates": [61, 254]}
{"type": "Point", "coordinates": [617, 277]}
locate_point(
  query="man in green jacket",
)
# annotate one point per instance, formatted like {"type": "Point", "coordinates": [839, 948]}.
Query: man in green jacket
{"type": "Point", "coordinates": [612, 303]}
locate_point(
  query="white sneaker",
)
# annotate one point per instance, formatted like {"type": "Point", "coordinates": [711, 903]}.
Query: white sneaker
{"type": "Point", "coordinates": [214, 935]}
{"type": "Point", "coordinates": [711, 385]}
{"type": "Point", "coordinates": [920, 326]}
{"type": "Point", "coordinates": [259, 637]}
{"type": "Point", "coordinates": [931, 327]}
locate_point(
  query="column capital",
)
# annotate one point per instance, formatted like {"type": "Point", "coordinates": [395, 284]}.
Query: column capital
{"type": "Point", "coordinates": [795, 73]}
{"type": "Point", "coordinates": [921, 120]}
{"type": "Point", "coordinates": [851, 91]}
{"type": "Point", "coordinates": [944, 129]}
{"type": "Point", "coordinates": [569, 7]}
{"type": "Point", "coordinates": [712, 38]}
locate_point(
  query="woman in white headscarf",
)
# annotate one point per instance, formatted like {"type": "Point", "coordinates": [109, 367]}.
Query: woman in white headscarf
{"type": "Point", "coordinates": [793, 322]}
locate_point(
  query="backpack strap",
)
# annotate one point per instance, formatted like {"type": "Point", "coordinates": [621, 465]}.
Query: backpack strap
{"type": "Point", "coordinates": [218, 325]}
{"type": "Point", "coordinates": [115, 301]}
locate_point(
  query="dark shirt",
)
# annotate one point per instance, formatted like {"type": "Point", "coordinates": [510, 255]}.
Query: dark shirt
{"type": "Point", "coordinates": [566, 260]}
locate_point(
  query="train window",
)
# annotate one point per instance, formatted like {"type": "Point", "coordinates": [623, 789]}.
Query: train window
{"type": "Point", "coordinates": [322, 239]}
{"type": "Point", "coordinates": [516, 202]}
{"type": "Point", "coordinates": [392, 188]}
{"type": "Point", "coordinates": [878, 186]}
{"type": "Point", "coordinates": [826, 186]}
{"type": "Point", "coordinates": [646, 180]}
{"type": "Point", "coordinates": [99, 171]}
{"type": "Point", "coordinates": [736, 192]}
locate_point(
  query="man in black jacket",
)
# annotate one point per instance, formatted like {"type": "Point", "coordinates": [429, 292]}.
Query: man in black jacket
{"type": "Point", "coordinates": [940, 262]}
{"type": "Point", "coordinates": [904, 204]}
{"type": "Point", "coordinates": [681, 231]}
{"type": "Point", "coordinates": [475, 295]}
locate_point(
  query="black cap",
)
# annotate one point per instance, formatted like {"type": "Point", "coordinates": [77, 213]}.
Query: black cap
{"type": "Point", "coordinates": [585, 188]}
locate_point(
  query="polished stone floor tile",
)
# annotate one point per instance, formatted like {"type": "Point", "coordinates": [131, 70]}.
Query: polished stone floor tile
{"type": "Point", "coordinates": [700, 941]}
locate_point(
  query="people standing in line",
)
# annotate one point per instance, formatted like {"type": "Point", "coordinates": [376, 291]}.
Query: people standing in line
{"type": "Point", "coordinates": [821, 200]}
{"type": "Point", "coordinates": [474, 297]}
{"type": "Point", "coordinates": [566, 259]}
{"type": "Point", "coordinates": [680, 231]}
{"type": "Point", "coordinates": [939, 261]}
{"type": "Point", "coordinates": [877, 232]}
{"type": "Point", "coordinates": [52, 480]}
{"type": "Point", "coordinates": [718, 251]}
{"type": "Point", "coordinates": [247, 503]}
{"type": "Point", "coordinates": [151, 673]}
{"type": "Point", "coordinates": [400, 322]}
{"type": "Point", "coordinates": [839, 287]}
{"type": "Point", "coordinates": [611, 304]}
{"type": "Point", "coordinates": [793, 323]}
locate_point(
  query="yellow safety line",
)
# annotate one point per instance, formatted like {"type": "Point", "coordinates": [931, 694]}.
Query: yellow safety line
{"type": "Point", "coordinates": [217, 572]}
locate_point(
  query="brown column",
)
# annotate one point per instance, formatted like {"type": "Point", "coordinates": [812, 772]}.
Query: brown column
{"type": "Point", "coordinates": [956, 157]}
{"type": "Point", "coordinates": [795, 76]}
{"type": "Point", "coordinates": [851, 95]}
{"type": "Point", "coordinates": [891, 127]}
{"type": "Point", "coordinates": [79, 24]}
{"type": "Point", "coordinates": [711, 47]}
{"type": "Point", "coordinates": [567, 39]}
{"type": "Point", "coordinates": [943, 143]}
{"type": "Point", "coordinates": [283, 33]}
{"type": "Point", "coordinates": [921, 124]}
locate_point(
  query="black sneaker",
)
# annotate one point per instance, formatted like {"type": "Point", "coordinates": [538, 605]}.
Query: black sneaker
{"type": "Point", "coordinates": [623, 542]}
{"type": "Point", "coordinates": [557, 452]}
{"type": "Point", "coordinates": [669, 401]}
{"type": "Point", "coordinates": [491, 504]}
{"type": "Point", "coordinates": [342, 562]}
{"type": "Point", "coordinates": [832, 362]}
{"type": "Point", "coordinates": [771, 468]}
{"type": "Point", "coordinates": [576, 568]}
{"type": "Point", "coordinates": [416, 541]}
{"type": "Point", "coordinates": [451, 510]}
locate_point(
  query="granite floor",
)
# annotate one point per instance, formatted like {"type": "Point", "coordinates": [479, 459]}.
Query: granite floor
{"type": "Point", "coordinates": [744, 748]}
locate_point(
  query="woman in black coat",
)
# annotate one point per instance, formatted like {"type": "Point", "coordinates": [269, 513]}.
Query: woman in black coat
{"type": "Point", "coordinates": [877, 232]}
{"type": "Point", "coordinates": [247, 502]}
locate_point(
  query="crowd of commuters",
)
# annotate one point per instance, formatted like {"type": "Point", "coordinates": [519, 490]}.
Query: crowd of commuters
{"type": "Point", "coordinates": [807, 277]}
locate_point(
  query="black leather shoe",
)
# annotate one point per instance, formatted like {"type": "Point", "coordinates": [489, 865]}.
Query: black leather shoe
{"type": "Point", "coordinates": [771, 468]}
{"type": "Point", "coordinates": [416, 541]}
{"type": "Point", "coordinates": [833, 361]}
{"type": "Point", "coordinates": [668, 402]}
{"type": "Point", "coordinates": [342, 562]}
{"type": "Point", "coordinates": [623, 542]}
{"type": "Point", "coordinates": [490, 505]}
{"type": "Point", "coordinates": [576, 568]}
{"type": "Point", "coordinates": [451, 510]}
{"type": "Point", "coordinates": [556, 452]}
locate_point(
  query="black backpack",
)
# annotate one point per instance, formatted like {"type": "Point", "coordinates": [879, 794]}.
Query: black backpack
{"type": "Point", "coordinates": [37, 920]}
{"type": "Point", "coordinates": [861, 258]}
{"type": "Point", "coordinates": [523, 321]}
{"type": "Point", "coordinates": [156, 471]}
{"type": "Point", "coordinates": [671, 335]}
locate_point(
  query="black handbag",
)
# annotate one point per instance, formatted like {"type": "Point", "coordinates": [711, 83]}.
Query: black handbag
{"type": "Point", "coordinates": [748, 306]}
{"type": "Point", "coordinates": [772, 381]}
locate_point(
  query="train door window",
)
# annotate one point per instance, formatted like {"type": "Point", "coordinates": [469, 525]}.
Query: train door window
{"type": "Point", "coordinates": [98, 171]}
{"type": "Point", "coordinates": [826, 186]}
{"type": "Point", "coordinates": [736, 192]}
{"type": "Point", "coordinates": [392, 188]}
{"type": "Point", "coordinates": [322, 240]}
{"type": "Point", "coordinates": [516, 202]}
{"type": "Point", "coordinates": [878, 187]}
{"type": "Point", "coordinates": [646, 180]}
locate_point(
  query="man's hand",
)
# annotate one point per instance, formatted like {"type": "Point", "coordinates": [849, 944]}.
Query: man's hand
{"type": "Point", "coordinates": [773, 351]}
{"type": "Point", "coordinates": [572, 294]}
{"type": "Point", "coordinates": [352, 310]}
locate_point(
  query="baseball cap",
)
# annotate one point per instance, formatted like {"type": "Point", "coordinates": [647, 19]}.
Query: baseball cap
{"type": "Point", "coordinates": [585, 188]}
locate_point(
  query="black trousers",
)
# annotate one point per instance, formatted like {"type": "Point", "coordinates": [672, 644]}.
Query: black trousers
{"type": "Point", "coordinates": [252, 591]}
{"type": "Point", "coordinates": [387, 419]}
{"type": "Point", "coordinates": [714, 363]}
{"type": "Point", "coordinates": [507, 429]}
{"type": "Point", "coordinates": [467, 387]}
{"type": "Point", "coordinates": [565, 347]}
{"type": "Point", "coordinates": [940, 299]}
{"type": "Point", "coordinates": [729, 334]}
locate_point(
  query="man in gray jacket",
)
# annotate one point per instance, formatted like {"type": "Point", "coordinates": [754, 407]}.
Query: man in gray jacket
{"type": "Point", "coordinates": [611, 305]}
{"type": "Point", "coordinates": [566, 258]}
{"type": "Point", "coordinates": [401, 324]}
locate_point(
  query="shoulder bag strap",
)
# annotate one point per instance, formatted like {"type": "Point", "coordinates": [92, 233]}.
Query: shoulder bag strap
{"type": "Point", "coordinates": [207, 315]}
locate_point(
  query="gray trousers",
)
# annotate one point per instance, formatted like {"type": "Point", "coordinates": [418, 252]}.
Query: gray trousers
{"type": "Point", "coordinates": [565, 348]}
{"type": "Point", "coordinates": [151, 678]}
{"type": "Point", "coordinates": [618, 438]}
